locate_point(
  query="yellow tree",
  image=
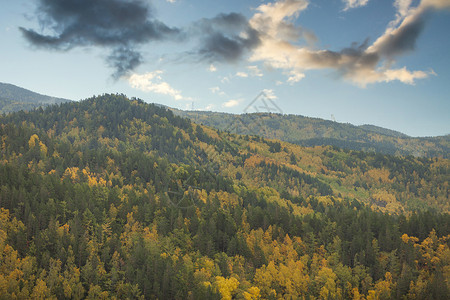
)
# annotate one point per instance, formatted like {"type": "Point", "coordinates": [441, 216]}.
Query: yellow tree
{"type": "Point", "coordinates": [226, 287]}
{"type": "Point", "coordinates": [326, 279]}
{"type": "Point", "coordinates": [383, 288]}
{"type": "Point", "coordinates": [33, 141]}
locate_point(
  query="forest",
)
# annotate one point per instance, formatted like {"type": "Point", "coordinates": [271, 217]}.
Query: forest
{"type": "Point", "coordinates": [310, 132]}
{"type": "Point", "coordinates": [114, 198]}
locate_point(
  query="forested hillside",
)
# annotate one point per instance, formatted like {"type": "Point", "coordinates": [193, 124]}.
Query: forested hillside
{"type": "Point", "coordinates": [112, 198]}
{"type": "Point", "coordinates": [312, 132]}
{"type": "Point", "coordinates": [14, 98]}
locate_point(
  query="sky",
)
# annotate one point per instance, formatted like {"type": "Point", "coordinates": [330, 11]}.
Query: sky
{"type": "Point", "coordinates": [379, 62]}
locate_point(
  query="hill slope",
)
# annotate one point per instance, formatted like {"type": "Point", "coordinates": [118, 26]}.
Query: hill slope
{"type": "Point", "coordinates": [14, 98]}
{"type": "Point", "coordinates": [111, 197]}
{"type": "Point", "coordinates": [295, 129]}
{"type": "Point", "coordinates": [307, 131]}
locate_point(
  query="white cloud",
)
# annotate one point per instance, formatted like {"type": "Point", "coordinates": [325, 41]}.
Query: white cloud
{"type": "Point", "coordinates": [212, 68]}
{"type": "Point", "coordinates": [361, 64]}
{"type": "Point", "coordinates": [254, 71]}
{"type": "Point", "coordinates": [274, 22]}
{"type": "Point", "coordinates": [209, 107]}
{"type": "Point", "coordinates": [242, 74]}
{"type": "Point", "coordinates": [231, 103]}
{"type": "Point", "coordinates": [217, 90]}
{"type": "Point", "coordinates": [402, 6]}
{"type": "Point", "coordinates": [404, 75]}
{"type": "Point", "coordinates": [225, 79]}
{"type": "Point", "coordinates": [152, 82]}
{"type": "Point", "coordinates": [270, 94]}
{"type": "Point", "coordinates": [354, 3]}
{"type": "Point", "coordinates": [295, 76]}
{"type": "Point", "coordinates": [364, 77]}
{"type": "Point", "coordinates": [271, 19]}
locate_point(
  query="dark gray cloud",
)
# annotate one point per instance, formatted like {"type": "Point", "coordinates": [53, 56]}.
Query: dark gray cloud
{"type": "Point", "coordinates": [123, 60]}
{"type": "Point", "coordinates": [122, 26]}
{"type": "Point", "coordinates": [403, 39]}
{"type": "Point", "coordinates": [226, 38]}
{"type": "Point", "coordinates": [356, 57]}
{"type": "Point", "coordinates": [119, 25]}
{"type": "Point", "coordinates": [345, 60]}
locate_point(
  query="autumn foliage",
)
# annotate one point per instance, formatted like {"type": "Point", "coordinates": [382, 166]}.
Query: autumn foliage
{"type": "Point", "coordinates": [112, 198]}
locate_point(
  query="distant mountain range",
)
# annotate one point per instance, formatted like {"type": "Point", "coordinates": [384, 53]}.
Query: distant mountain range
{"type": "Point", "coordinates": [14, 98]}
{"type": "Point", "coordinates": [310, 132]}
{"type": "Point", "coordinates": [295, 129]}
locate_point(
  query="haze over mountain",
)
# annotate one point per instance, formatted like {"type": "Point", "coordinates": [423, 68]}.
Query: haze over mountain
{"type": "Point", "coordinates": [14, 98]}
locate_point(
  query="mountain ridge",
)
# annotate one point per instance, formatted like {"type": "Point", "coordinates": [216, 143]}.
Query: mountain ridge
{"type": "Point", "coordinates": [15, 98]}
{"type": "Point", "coordinates": [301, 130]}
{"type": "Point", "coordinates": [310, 131]}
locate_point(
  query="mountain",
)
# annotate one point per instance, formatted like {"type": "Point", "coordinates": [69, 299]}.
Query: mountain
{"type": "Point", "coordinates": [310, 132]}
{"type": "Point", "coordinates": [112, 198]}
{"type": "Point", "coordinates": [295, 129]}
{"type": "Point", "coordinates": [383, 131]}
{"type": "Point", "coordinates": [14, 98]}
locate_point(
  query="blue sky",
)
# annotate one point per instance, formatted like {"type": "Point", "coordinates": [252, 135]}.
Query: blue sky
{"type": "Point", "coordinates": [385, 63]}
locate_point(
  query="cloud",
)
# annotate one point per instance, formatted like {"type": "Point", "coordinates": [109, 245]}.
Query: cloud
{"type": "Point", "coordinates": [212, 68]}
{"type": "Point", "coordinates": [123, 60]}
{"type": "Point", "coordinates": [402, 7]}
{"type": "Point", "coordinates": [270, 36]}
{"type": "Point", "coordinates": [209, 107]}
{"type": "Point", "coordinates": [217, 90]}
{"type": "Point", "coordinates": [404, 75]}
{"type": "Point", "coordinates": [295, 76]}
{"type": "Point", "coordinates": [242, 74]}
{"type": "Point", "coordinates": [360, 63]}
{"type": "Point", "coordinates": [122, 27]}
{"type": "Point", "coordinates": [152, 82]}
{"type": "Point", "coordinates": [402, 38]}
{"type": "Point", "coordinates": [354, 3]}
{"type": "Point", "coordinates": [231, 103]}
{"type": "Point", "coordinates": [270, 94]}
{"type": "Point", "coordinates": [252, 71]}
{"type": "Point", "coordinates": [225, 79]}
{"type": "Point", "coordinates": [225, 38]}
{"type": "Point", "coordinates": [272, 20]}
{"type": "Point", "coordinates": [117, 25]}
